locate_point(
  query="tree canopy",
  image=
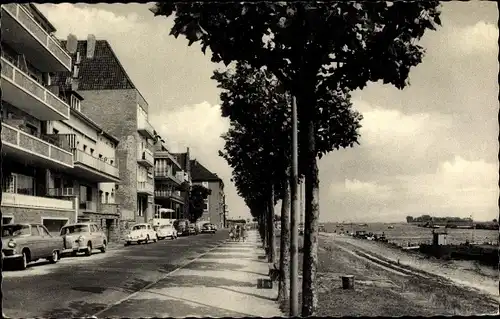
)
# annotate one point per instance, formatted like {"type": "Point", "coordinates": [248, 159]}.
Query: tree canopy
{"type": "Point", "coordinates": [197, 196]}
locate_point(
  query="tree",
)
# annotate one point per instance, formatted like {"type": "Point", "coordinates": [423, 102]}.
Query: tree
{"type": "Point", "coordinates": [313, 48]}
{"type": "Point", "coordinates": [258, 106]}
{"type": "Point", "coordinates": [197, 196]}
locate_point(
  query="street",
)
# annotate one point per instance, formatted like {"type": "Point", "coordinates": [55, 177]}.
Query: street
{"type": "Point", "coordinates": [83, 286]}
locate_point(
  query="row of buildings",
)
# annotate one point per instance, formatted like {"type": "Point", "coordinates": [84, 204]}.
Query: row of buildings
{"type": "Point", "coordinates": [77, 144]}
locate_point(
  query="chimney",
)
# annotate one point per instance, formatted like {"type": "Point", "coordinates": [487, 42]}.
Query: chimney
{"type": "Point", "coordinates": [74, 84]}
{"type": "Point", "coordinates": [90, 46]}
{"type": "Point", "coordinates": [71, 43]}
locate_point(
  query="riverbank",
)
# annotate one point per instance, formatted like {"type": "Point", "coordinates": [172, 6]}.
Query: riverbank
{"type": "Point", "coordinates": [384, 288]}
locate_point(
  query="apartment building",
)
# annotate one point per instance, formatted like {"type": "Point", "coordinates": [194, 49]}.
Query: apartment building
{"type": "Point", "coordinates": [214, 204]}
{"type": "Point", "coordinates": [171, 182]}
{"type": "Point", "coordinates": [116, 105]}
{"type": "Point", "coordinates": [51, 169]}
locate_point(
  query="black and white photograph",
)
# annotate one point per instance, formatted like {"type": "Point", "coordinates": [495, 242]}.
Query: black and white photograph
{"type": "Point", "coordinates": [215, 159]}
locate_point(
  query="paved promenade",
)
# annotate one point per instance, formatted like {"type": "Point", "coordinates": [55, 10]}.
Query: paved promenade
{"type": "Point", "coordinates": [220, 283]}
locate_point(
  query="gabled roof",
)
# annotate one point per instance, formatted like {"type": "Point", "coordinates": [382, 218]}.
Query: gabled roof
{"type": "Point", "coordinates": [201, 173]}
{"type": "Point", "coordinates": [102, 72]}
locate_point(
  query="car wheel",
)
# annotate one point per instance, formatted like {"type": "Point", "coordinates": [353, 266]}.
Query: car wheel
{"type": "Point", "coordinates": [103, 248]}
{"type": "Point", "coordinates": [127, 243]}
{"type": "Point", "coordinates": [23, 262]}
{"type": "Point", "coordinates": [147, 239]}
{"type": "Point", "coordinates": [55, 257]}
{"type": "Point", "coordinates": [88, 252]}
{"type": "Point", "coordinates": [156, 239]}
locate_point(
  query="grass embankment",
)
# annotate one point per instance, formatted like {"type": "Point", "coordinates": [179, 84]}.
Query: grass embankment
{"type": "Point", "coordinates": [380, 292]}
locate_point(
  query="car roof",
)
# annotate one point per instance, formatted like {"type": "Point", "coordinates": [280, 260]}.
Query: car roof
{"type": "Point", "coordinates": [21, 224]}
{"type": "Point", "coordinates": [74, 224]}
{"type": "Point", "coordinates": [140, 224]}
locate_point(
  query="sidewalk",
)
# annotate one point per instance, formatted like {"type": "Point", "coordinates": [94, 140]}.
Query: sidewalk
{"type": "Point", "coordinates": [221, 283]}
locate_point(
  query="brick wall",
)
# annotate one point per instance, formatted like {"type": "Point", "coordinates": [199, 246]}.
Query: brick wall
{"type": "Point", "coordinates": [30, 215]}
{"type": "Point", "coordinates": [215, 208]}
{"type": "Point", "coordinates": [116, 112]}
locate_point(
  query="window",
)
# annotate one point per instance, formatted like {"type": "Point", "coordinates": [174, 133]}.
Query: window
{"type": "Point", "coordinates": [54, 131]}
{"type": "Point", "coordinates": [34, 231]}
{"type": "Point", "coordinates": [111, 162]}
{"type": "Point", "coordinates": [19, 184]}
{"type": "Point", "coordinates": [75, 103]}
{"type": "Point", "coordinates": [43, 231]}
{"type": "Point", "coordinates": [84, 147]}
{"type": "Point", "coordinates": [107, 197]}
{"type": "Point", "coordinates": [91, 151]}
{"type": "Point", "coordinates": [204, 184]}
{"type": "Point", "coordinates": [205, 208]}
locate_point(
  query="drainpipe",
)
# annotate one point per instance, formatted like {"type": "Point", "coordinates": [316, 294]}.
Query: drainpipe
{"type": "Point", "coordinates": [76, 208]}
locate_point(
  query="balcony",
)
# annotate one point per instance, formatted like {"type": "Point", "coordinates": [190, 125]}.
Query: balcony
{"type": "Point", "coordinates": [163, 174]}
{"type": "Point", "coordinates": [25, 93]}
{"type": "Point", "coordinates": [145, 187]}
{"type": "Point", "coordinates": [36, 202]}
{"type": "Point", "coordinates": [109, 209]}
{"type": "Point", "coordinates": [31, 149]}
{"type": "Point", "coordinates": [145, 128]}
{"type": "Point", "coordinates": [25, 35]}
{"type": "Point", "coordinates": [168, 194]}
{"type": "Point", "coordinates": [88, 206]}
{"type": "Point", "coordinates": [94, 168]}
{"type": "Point", "coordinates": [146, 158]}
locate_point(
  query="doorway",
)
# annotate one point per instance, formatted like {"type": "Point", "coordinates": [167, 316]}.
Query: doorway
{"type": "Point", "coordinates": [109, 226]}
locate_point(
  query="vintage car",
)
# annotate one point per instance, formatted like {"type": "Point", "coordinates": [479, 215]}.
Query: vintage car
{"type": "Point", "coordinates": [141, 233]}
{"type": "Point", "coordinates": [192, 229]}
{"type": "Point", "coordinates": [83, 237]}
{"type": "Point", "coordinates": [165, 231]}
{"type": "Point", "coordinates": [208, 228]}
{"type": "Point", "coordinates": [182, 227]}
{"type": "Point", "coordinates": [25, 243]}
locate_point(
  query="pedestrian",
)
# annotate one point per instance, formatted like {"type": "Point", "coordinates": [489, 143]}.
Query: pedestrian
{"type": "Point", "coordinates": [244, 233]}
{"type": "Point", "coordinates": [238, 232]}
{"type": "Point", "coordinates": [232, 233]}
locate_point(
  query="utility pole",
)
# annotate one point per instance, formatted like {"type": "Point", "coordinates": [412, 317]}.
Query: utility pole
{"type": "Point", "coordinates": [294, 216]}
{"type": "Point", "coordinates": [301, 191]}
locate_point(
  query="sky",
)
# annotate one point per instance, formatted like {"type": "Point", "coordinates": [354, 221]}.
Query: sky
{"type": "Point", "coordinates": [428, 149]}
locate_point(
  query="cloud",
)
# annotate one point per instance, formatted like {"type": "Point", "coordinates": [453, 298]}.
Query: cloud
{"type": "Point", "coordinates": [477, 39]}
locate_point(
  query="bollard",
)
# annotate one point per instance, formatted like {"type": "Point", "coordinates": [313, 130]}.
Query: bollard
{"type": "Point", "coordinates": [347, 282]}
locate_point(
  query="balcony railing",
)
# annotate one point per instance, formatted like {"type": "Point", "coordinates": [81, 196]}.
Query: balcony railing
{"type": "Point", "coordinates": [163, 173]}
{"type": "Point", "coordinates": [95, 163]}
{"type": "Point", "coordinates": [146, 156]}
{"type": "Point", "coordinates": [169, 193]}
{"type": "Point", "coordinates": [62, 192]}
{"type": "Point", "coordinates": [34, 145]}
{"type": "Point", "coordinates": [20, 200]}
{"type": "Point", "coordinates": [88, 206]}
{"type": "Point", "coordinates": [24, 18]}
{"type": "Point", "coordinates": [144, 127]}
{"type": "Point", "coordinates": [25, 83]}
{"type": "Point", "coordinates": [145, 187]}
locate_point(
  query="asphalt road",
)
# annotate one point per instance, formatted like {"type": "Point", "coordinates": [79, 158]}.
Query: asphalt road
{"type": "Point", "coordinates": [82, 286]}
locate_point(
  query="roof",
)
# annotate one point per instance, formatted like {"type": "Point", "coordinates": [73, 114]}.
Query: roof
{"type": "Point", "coordinates": [201, 173]}
{"type": "Point", "coordinates": [104, 71]}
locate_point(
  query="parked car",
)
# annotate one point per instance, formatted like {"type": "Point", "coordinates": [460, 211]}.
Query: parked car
{"type": "Point", "coordinates": [182, 227]}
{"type": "Point", "coordinates": [165, 231]}
{"type": "Point", "coordinates": [83, 237]}
{"type": "Point", "coordinates": [141, 233]}
{"type": "Point", "coordinates": [25, 243]}
{"type": "Point", "coordinates": [208, 228]}
{"type": "Point", "coordinates": [192, 229]}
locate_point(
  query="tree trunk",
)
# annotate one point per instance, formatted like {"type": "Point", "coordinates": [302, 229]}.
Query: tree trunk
{"type": "Point", "coordinates": [310, 166]}
{"type": "Point", "coordinates": [270, 230]}
{"type": "Point", "coordinates": [284, 284]}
